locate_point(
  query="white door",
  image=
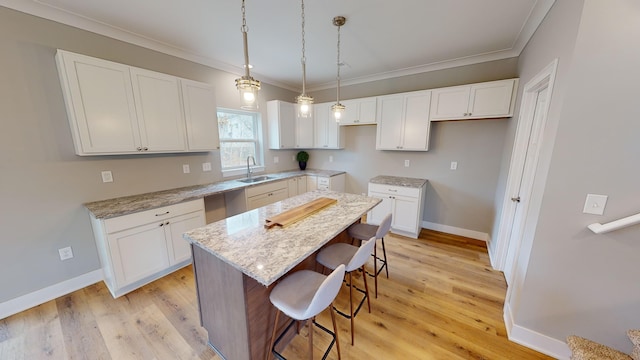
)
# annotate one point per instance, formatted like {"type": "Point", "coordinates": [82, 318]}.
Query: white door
{"type": "Point", "coordinates": [522, 171]}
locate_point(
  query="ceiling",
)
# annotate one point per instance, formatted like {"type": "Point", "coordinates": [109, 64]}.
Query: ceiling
{"type": "Point", "coordinates": [381, 38]}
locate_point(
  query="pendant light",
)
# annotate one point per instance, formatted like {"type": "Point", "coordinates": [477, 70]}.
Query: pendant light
{"type": "Point", "coordinates": [247, 86]}
{"type": "Point", "coordinates": [304, 101]}
{"type": "Point", "coordinates": [337, 108]}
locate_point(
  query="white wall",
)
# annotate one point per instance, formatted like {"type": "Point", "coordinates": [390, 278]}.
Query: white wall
{"type": "Point", "coordinates": [578, 282]}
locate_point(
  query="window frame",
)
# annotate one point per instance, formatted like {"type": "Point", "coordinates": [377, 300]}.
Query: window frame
{"type": "Point", "coordinates": [258, 141]}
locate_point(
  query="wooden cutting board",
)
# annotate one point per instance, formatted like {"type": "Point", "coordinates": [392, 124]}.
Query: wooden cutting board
{"type": "Point", "coordinates": [299, 213]}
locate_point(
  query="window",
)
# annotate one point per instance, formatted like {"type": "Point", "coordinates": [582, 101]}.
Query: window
{"type": "Point", "coordinates": [239, 139]}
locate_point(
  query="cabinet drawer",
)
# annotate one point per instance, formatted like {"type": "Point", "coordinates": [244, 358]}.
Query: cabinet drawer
{"type": "Point", "coordinates": [148, 216]}
{"type": "Point", "coordinates": [265, 188]}
{"type": "Point", "coordinates": [261, 200]}
{"type": "Point", "coordinates": [394, 190]}
{"type": "Point", "coordinates": [323, 181]}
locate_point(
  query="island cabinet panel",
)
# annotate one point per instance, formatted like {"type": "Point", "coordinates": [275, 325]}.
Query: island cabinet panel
{"type": "Point", "coordinates": [138, 248]}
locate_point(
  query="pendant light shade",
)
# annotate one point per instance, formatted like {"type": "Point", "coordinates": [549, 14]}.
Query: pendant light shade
{"type": "Point", "coordinates": [338, 109]}
{"type": "Point", "coordinates": [303, 100]}
{"type": "Point", "coordinates": [247, 86]}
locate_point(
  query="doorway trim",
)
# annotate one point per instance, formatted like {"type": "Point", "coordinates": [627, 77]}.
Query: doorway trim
{"type": "Point", "coordinates": [545, 78]}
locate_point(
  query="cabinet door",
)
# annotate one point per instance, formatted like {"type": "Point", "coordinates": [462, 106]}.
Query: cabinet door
{"type": "Point", "coordinates": [200, 116]}
{"type": "Point", "coordinates": [351, 114]}
{"type": "Point", "coordinates": [416, 124]}
{"type": "Point", "coordinates": [179, 248]}
{"type": "Point", "coordinates": [389, 132]}
{"type": "Point", "coordinates": [302, 184]}
{"type": "Point", "coordinates": [491, 99]}
{"type": "Point", "coordinates": [320, 116]}
{"type": "Point", "coordinates": [377, 214]}
{"type": "Point", "coordinates": [304, 132]}
{"type": "Point", "coordinates": [405, 213]}
{"type": "Point", "coordinates": [159, 111]}
{"type": "Point", "coordinates": [450, 103]}
{"type": "Point", "coordinates": [359, 111]}
{"type": "Point", "coordinates": [138, 252]}
{"type": "Point", "coordinates": [100, 104]}
{"type": "Point", "coordinates": [292, 186]}
{"type": "Point", "coordinates": [281, 117]}
{"type": "Point", "coordinates": [368, 110]}
{"type": "Point", "coordinates": [312, 182]}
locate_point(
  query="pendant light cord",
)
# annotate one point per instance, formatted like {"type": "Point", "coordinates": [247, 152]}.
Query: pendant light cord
{"type": "Point", "coordinates": [244, 30]}
{"type": "Point", "coordinates": [338, 65]}
{"type": "Point", "coordinates": [303, 59]}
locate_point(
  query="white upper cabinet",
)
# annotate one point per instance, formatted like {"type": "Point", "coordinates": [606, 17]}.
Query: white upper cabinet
{"type": "Point", "coordinates": [281, 117]}
{"type": "Point", "coordinates": [327, 132]}
{"type": "Point", "coordinates": [403, 121]}
{"type": "Point", "coordinates": [359, 111]}
{"type": "Point", "coordinates": [200, 115]}
{"type": "Point", "coordinates": [100, 104]}
{"type": "Point", "coordinates": [304, 132]}
{"type": "Point", "coordinates": [494, 99]}
{"type": "Point", "coordinates": [159, 110]}
{"type": "Point", "coordinates": [118, 109]}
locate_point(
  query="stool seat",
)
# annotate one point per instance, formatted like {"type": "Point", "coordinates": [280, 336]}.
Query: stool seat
{"type": "Point", "coordinates": [363, 231]}
{"type": "Point", "coordinates": [351, 258]}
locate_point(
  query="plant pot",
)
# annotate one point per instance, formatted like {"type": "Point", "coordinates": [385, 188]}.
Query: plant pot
{"type": "Point", "coordinates": [302, 164]}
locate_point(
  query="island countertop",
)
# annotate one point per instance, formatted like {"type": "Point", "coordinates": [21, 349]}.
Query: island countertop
{"type": "Point", "coordinates": [265, 254]}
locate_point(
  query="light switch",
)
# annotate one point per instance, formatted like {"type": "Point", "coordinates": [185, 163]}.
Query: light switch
{"type": "Point", "coordinates": [407, 163]}
{"type": "Point", "coordinates": [186, 169]}
{"type": "Point", "coordinates": [454, 165]}
{"type": "Point", "coordinates": [206, 166]}
{"type": "Point", "coordinates": [330, 158]}
{"type": "Point", "coordinates": [595, 204]}
{"type": "Point", "coordinates": [276, 159]}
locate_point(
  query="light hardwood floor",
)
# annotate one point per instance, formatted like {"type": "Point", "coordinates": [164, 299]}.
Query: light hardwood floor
{"type": "Point", "coordinates": [442, 301]}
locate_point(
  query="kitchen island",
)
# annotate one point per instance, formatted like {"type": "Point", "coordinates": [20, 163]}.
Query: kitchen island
{"type": "Point", "coordinates": [237, 261]}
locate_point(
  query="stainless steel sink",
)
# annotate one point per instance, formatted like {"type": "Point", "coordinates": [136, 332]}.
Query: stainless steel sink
{"type": "Point", "coordinates": [255, 179]}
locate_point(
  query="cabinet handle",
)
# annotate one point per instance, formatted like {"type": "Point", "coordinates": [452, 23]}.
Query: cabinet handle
{"type": "Point", "coordinates": [355, 121]}
{"type": "Point", "coordinates": [167, 223]}
{"type": "Point", "coordinates": [393, 190]}
{"type": "Point", "coordinates": [139, 148]}
{"type": "Point", "coordinates": [145, 148]}
{"type": "Point", "coordinates": [161, 224]}
{"type": "Point", "coordinates": [165, 213]}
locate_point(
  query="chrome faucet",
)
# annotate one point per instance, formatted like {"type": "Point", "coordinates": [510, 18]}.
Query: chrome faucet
{"type": "Point", "coordinates": [248, 167]}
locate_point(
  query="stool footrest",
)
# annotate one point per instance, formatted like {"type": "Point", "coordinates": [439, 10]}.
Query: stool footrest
{"type": "Point", "coordinates": [293, 321]}
{"type": "Point", "coordinates": [348, 316]}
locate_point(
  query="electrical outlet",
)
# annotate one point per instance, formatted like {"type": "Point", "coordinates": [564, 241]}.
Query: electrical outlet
{"type": "Point", "coordinates": [407, 163]}
{"type": "Point", "coordinates": [454, 165]}
{"type": "Point", "coordinates": [107, 176]}
{"type": "Point", "coordinates": [206, 166]}
{"type": "Point", "coordinates": [293, 158]}
{"type": "Point", "coordinates": [65, 253]}
{"type": "Point", "coordinates": [595, 204]}
{"type": "Point", "coordinates": [330, 158]}
{"type": "Point", "coordinates": [276, 159]}
{"type": "Point", "coordinates": [186, 169]}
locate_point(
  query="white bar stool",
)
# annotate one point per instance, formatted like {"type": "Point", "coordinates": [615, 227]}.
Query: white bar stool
{"type": "Point", "coordinates": [354, 257]}
{"type": "Point", "coordinates": [303, 295]}
{"type": "Point", "coordinates": [362, 231]}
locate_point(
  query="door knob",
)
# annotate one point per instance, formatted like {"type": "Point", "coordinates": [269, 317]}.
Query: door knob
{"type": "Point", "coordinates": [515, 199]}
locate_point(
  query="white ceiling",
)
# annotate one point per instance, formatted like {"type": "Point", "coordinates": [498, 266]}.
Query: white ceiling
{"type": "Point", "coordinates": [381, 38]}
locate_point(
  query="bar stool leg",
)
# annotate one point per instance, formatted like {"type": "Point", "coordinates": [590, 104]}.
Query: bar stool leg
{"type": "Point", "coordinates": [351, 307]}
{"type": "Point", "coordinates": [273, 336]}
{"type": "Point", "coordinates": [384, 251]}
{"type": "Point", "coordinates": [366, 288]}
{"type": "Point", "coordinates": [335, 328]}
{"type": "Point", "coordinates": [375, 267]}
{"type": "Point", "coordinates": [310, 326]}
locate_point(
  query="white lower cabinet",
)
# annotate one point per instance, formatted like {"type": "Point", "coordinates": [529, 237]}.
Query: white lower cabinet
{"type": "Point", "coordinates": [261, 195]}
{"type": "Point", "coordinates": [138, 248]}
{"type": "Point", "coordinates": [297, 185]}
{"type": "Point", "coordinates": [405, 204]}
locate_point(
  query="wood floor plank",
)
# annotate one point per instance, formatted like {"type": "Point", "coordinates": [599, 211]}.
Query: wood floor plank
{"type": "Point", "coordinates": [442, 300]}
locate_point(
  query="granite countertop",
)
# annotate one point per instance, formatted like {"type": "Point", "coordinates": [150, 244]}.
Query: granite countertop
{"type": "Point", "coordinates": [398, 181]}
{"type": "Point", "coordinates": [264, 254]}
{"type": "Point", "coordinates": [109, 208]}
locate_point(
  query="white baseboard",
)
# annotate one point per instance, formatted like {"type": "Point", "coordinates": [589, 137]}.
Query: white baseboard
{"type": "Point", "coordinates": [41, 296]}
{"type": "Point", "coordinates": [456, 231]}
{"type": "Point", "coordinates": [533, 339]}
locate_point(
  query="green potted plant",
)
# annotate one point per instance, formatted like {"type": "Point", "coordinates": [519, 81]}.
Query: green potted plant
{"type": "Point", "coordinates": [302, 158]}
